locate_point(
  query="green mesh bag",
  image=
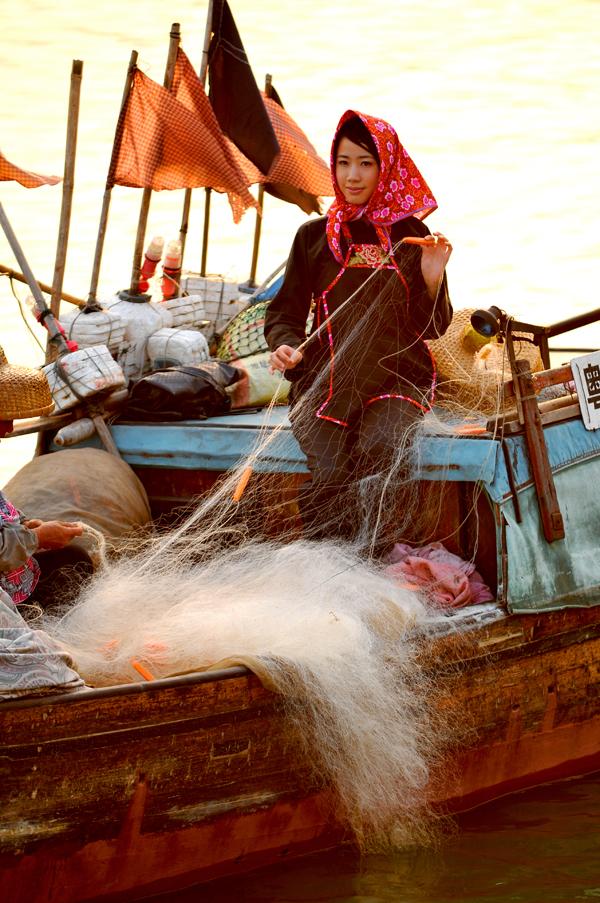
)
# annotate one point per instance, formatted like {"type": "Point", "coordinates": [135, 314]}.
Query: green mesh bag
{"type": "Point", "coordinates": [245, 334]}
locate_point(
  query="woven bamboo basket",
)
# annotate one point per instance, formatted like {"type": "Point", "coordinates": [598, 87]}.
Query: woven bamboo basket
{"type": "Point", "coordinates": [24, 392]}
{"type": "Point", "coordinates": [472, 370]}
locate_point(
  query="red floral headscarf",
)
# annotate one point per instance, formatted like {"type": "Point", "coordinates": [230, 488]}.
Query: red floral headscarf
{"type": "Point", "coordinates": [400, 192]}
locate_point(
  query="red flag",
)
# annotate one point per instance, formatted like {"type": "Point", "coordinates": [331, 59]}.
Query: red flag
{"type": "Point", "coordinates": [11, 173]}
{"type": "Point", "coordinates": [298, 175]}
{"type": "Point", "coordinates": [164, 146]}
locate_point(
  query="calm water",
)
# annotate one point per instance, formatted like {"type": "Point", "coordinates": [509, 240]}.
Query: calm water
{"type": "Point", "coordinates": [542, 846]}
{"type": "Point", "coordinates": [497, 101]}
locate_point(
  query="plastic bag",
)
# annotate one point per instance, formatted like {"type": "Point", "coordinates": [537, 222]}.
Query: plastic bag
{"type": "Point", "coordinates": [257, 385]}
{"type": "Point", "coordinates": [182, 393]}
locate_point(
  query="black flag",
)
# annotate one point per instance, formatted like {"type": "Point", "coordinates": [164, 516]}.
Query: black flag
{"type": "Point", "coordinates": [234, 94]}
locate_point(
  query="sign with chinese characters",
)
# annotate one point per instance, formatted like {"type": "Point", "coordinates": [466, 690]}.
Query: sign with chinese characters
{"type": "Point", "coordinates": [586, 373]}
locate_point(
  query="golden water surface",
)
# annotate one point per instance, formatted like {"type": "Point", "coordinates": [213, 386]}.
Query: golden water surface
{"type": "Point", "coordinates": [497, 101]}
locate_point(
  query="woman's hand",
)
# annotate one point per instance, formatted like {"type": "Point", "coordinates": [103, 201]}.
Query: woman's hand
{"type": "Point", "coordinates": [435, 253]}
{"type": "Point", "coordinates": [56, 534]}
{"type": "Point", "coordinates": [284, 358]}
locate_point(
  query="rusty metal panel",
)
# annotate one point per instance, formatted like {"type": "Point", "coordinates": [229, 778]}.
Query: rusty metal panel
{"type": "Point", "coordinates": [543, 576]}
{"type": "Point", "coordinates": [568, 443]}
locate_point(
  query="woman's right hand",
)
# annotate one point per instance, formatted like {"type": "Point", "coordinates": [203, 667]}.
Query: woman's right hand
{"type": "Point", "coordinates": [284, 358]}
{"type": "Point", "coordinates": [56, 534]}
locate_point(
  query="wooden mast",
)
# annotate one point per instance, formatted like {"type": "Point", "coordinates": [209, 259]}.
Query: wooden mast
{"type": "Point", "coordinates": [259, 212]}
{"type": "Point", "coordinates": [67, 194]}
{"type": "Point", "coordinates": [174, 38]}
{"type": "Point", "coordinates": [92, 303]}
{"type": "Point", "coordinates": [187, 199]}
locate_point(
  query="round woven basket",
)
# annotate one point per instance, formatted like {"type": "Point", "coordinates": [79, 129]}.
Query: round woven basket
{"type": "Point", "coordinates": [24, 392]}
{"type": "Point", "coordinates": [471, 369]}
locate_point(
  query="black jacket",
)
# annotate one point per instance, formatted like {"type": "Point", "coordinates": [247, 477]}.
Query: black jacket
{"type": "Point", "coordinates": [377, 339]}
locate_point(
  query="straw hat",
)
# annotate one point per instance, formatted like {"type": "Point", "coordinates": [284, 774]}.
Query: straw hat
{"type": "Point", "coordinates": [472, 369]}
{"type": "Point", "coordinates": [24, 392]}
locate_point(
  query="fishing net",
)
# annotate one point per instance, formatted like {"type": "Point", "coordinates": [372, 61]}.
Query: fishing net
{"type": "Point", "coordinates": [289, 576]}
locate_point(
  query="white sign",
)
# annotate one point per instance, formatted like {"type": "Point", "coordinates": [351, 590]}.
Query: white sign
{"type": "Point", "coordinates": [586, 373]}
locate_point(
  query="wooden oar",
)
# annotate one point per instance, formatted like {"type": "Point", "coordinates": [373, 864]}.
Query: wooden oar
{"type": "Point", "coordinates": [55, 331]}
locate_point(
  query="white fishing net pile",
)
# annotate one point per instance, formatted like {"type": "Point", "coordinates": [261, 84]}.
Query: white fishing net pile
{"type": "Point", "coordinates": [324, 628]}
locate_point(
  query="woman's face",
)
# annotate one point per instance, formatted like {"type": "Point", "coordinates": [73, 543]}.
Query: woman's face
{"type": "Point", "coordinates": [356, 172]}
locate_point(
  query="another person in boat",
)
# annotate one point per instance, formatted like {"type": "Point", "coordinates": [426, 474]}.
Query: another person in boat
{"type": "Point", "coordinates": [24, 392]}
{"type": "Point", "coordinates": [374, 278]}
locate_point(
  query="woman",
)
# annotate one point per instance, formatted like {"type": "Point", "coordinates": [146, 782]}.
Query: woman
{"type": "Point", "coordinates": [24, 392]}
{"type": "Point", "coordinates": [374, 277]}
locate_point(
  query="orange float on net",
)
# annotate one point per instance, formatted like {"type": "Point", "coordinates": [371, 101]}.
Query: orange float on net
{"type": "Point", "coordinates": [242, 483]}
{"type": "Point", "coordinates": [141, 669]}
{"type": "Point", "coordinates": [414, 240]}
{"type": "Point", "coordinates": [470, 429]}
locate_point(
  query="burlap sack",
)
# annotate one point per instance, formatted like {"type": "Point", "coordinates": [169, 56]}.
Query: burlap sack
{"type": "Point", "coordinates": [82, 484]}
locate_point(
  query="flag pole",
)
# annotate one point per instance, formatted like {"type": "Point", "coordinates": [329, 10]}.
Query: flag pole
{"type": "Point", "coordinates": [187, 199]}
{"type": "Point", "coordinates": [92, 303]}
{"type": "Point", "coordinates": [67, 194]}
{"type": "Point", "coordinates": [174, 39]}
{"type": "Point", "coordinates": [259, 213]}
{"type": "Point", "coordinates": [65, 214]}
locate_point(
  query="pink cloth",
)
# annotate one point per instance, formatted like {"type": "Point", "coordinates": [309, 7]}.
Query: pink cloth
{"type": "Point", "coordinates": [446, 578]}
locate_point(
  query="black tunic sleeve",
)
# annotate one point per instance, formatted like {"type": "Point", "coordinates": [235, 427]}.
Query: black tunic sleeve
{"type": "Point", "coordinates": [286, 316]}
{"type": "Point", "coordinates": [432, 318]}
{"type": "Point", "coordinates": [429, 317]}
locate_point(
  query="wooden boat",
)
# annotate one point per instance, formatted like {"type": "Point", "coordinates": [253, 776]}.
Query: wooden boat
{"type": "Point", "coordinates": [122, 792]}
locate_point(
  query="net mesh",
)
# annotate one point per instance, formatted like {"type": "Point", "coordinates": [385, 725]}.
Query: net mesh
{"type": "Point", "coordinates": [288, 576]}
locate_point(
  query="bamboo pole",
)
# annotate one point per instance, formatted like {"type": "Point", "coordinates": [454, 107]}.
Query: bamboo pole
{"type": "Point", "coordinates": [257, 230]}
{"type": "Point", "coordinates": [174, 38]}
{"type": "Point", "coordinates": [47, 289]}
{"type": "Point", "coordinates": [47, 318]}
{"type": "Point", "coordinates": [259, 212]}
{"type": "Point", "coordinates": [187, 198]}
{"type": "Point", "coordinates": [207, 196]}
{"type": "Point", "coordinates": [67, 194]}
{"type": "Point", "coordinates": [92, 304]}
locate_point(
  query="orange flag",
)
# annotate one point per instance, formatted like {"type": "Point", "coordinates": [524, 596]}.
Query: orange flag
{"type": "Point", "coordinates": [163, 145]}
{"type": "Point", "coordinates": [11, 173]}
{"type": "Point", "coordinates": [298, 175]}
{"type": "Point", "coordinates": [188, 89]}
